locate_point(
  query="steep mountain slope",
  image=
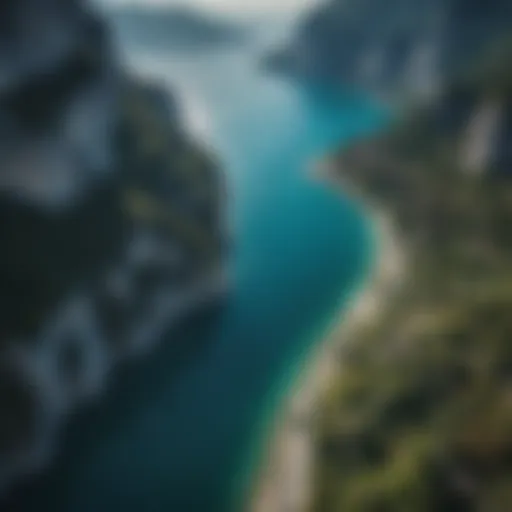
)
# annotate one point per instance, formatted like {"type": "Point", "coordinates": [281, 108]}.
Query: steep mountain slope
{"type": "Point", "coordinates": [419, 417]}
{"type": "Point", "coordinates": [112, 221]}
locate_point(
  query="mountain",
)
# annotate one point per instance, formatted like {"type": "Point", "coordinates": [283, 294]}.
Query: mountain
{"type": "Point", "coordinates": [175, 28]}
{"type": "Point", "coordinates": [418, 416]}
{"type": "Point", "coordinates": [398, 46]}
{"type": "Point", "coordinates": [113, 223]}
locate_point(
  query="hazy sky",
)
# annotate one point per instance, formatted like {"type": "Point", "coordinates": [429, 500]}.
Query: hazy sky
{"type": "Point", "coordinates": [229, 6]}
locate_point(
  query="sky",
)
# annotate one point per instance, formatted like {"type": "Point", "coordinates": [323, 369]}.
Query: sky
{"type": "Point", "coordinates": [231, 7]}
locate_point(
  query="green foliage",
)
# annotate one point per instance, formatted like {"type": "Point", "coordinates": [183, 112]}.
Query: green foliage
{"type": "Point", "coordinates": [420, 415]}
{"type": "Point", "coordinates": [491, 73]}
{"type": "Point", "coordinates": [169, 181]}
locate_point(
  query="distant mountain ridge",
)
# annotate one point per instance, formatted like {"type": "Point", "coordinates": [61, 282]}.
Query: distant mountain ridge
{"type": "Point", "coordinates": [177, 28]}
{"type": "Point", "coordinates": [401, 46]}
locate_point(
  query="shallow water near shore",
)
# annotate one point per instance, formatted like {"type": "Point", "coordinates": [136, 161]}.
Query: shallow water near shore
{"type": "Point", "coordinates": [178, 434]}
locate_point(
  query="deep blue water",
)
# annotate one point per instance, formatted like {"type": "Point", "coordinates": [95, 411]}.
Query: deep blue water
{"type": "Point", "coordinates": [178, 434]}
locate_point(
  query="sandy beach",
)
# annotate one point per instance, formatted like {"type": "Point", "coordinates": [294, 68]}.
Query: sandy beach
{"type": "Point", "coordinates": [285, 482]}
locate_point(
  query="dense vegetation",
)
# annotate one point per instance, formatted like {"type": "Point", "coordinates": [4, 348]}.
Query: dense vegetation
{"type": "Point", "coordinates": [420, 416]}
{"type": "Point", "coordinates": [167, 178]}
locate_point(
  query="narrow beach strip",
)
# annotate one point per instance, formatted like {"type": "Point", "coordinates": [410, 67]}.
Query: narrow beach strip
{"type": "Point", "coordinates": [285, 482]}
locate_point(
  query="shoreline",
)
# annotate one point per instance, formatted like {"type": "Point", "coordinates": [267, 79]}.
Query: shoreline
{"type": "Point", "coordinates": [286, 474]}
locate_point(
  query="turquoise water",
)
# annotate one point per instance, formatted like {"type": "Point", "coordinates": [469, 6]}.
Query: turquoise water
{"type": "Point", "coordinates": [177, 435]}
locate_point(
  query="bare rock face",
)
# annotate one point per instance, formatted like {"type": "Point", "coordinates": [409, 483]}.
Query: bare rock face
{"type": "Point", "coordinates": [57, 101]}
{"type": "Point", "coordinates": [112, 222]}
{"type": "Point", "coordinates": [38, 36]}
{"type": "Point", "coordinates": [481, 139]}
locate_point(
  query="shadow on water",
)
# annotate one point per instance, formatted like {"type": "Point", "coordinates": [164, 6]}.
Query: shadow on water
{"type": "Point", "coordinates": [132, 386]}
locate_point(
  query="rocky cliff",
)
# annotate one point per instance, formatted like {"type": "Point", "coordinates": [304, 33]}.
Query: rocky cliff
{"type": "Point", "coordinates": [112, 221]}
{"type": "Point", "coordinates": [399, 46]}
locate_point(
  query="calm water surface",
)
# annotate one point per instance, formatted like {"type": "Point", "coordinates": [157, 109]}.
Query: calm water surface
{"type": "Point", "coordinates": [178, 435]}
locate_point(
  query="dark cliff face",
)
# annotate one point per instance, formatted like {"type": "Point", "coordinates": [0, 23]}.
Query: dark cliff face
{"type": "Point", "coordinates": [112, 219]}
{"type": "Point", "coordinates": [394, 46]}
